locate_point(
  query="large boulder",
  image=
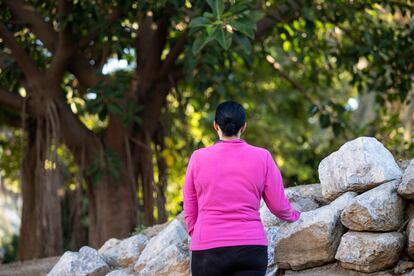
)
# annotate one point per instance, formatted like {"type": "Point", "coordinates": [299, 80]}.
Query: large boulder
{"type": "Point", "coordinates": [406, 188]}
{"type": "Point", "coordinates": [368, 251]}
{"type": "Point", "coordinates": [300, 202]}
{"type": "Point", "coordinates": [123, 253]}
{"type": "Point", "coordinates": [167, 253]}
{"type": "Point", "coordinates": [86, 262]}
{"type": "Point", "coordinates": [380, 210]}
{"type": "Point", "coordinates": [358, 165]}
{"type": "Point", "coordinates": [313, 239]}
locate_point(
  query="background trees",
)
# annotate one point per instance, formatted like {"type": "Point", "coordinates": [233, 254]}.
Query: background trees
{"type": "Point", "coordinates": [97, 153]}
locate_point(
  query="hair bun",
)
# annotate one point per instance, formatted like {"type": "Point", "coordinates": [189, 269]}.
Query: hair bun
{"type": "Point", "coordinates": [230, 127]}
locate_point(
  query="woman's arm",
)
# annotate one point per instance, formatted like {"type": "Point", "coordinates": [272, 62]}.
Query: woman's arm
{"type": "Point", "coordinates": [190, 196]}
{"type": "Point", "coordinates": [274, 193]}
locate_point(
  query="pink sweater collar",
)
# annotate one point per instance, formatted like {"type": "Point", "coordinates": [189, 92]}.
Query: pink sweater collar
{"type": "Point", "coordinates": [231, 141]}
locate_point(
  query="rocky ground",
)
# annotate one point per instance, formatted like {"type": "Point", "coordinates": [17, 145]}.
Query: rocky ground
{"type": "Point", "coordinates": [358, 221]}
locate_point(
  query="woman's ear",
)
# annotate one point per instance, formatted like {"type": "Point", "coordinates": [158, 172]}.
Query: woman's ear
{"type": "Point", "coordinates": [215, 126]}
{"type": "Point", "coordinates": [244, 127]}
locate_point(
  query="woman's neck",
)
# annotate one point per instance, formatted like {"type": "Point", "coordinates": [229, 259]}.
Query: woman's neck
{"type": "Point", "coordinates": [225, 138]}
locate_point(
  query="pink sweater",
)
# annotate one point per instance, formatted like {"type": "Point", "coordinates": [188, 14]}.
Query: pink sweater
{"type": "Point", "coordinates": [222, 190]}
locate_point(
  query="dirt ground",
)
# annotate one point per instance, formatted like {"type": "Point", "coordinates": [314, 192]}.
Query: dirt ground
{"type": "Point", "coordinates": [29, 268]}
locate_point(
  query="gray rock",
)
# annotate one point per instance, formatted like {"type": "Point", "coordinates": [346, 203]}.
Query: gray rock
{"type": "Point", "coordinates": [271, 233]}
{"type": "Point", "coordinates": [403, 267]}
{"type": "Point", "coordinates": [85, 262]}
{"type": "Point", "coordinates": [313, 239]}
{"type": "Point", "coordinates": [368, 251]}
{"type": "Point", "coordinates": [334, 269]}
{"type": "Point", "coordinates": [403, 164]}
{"type": "Point", "coordinates": [380, 210]}
{"type": "Point", "coordinates": [359, 165]}
{"type": "Point", "coordinates": [298, 201]}
{"type": "Point", "coordinates": [123, 253]}
{"type": "Point", "coordinates": [312, 191]}
{"type": "Point", "coordinates": [121, 272]}
{"type": "Point", "coordinates": [166, 254]}
{"type": "Point", "coordinates": [410, 239]}
{"type": "Point", "coordinates": [154, 230]}
{"type": "Point", "coordinates": [406, 188]}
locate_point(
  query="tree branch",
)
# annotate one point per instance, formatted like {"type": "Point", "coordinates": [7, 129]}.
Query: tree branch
{"type": "Point", "coordinates": [152, 65]}
{"type": "Point", "coordinates": [65, 47]}
{"type": "Point", "coordinates": [282, 13]}
{"type": "Point", "coordinates": [79, 65]}
{"type": "Point", "coordinates": [5, 60]}
{"type": "Point", "coordinates": [22, 58]}
{"type": "Point", "coordinates": [110, 18]}
{"type": "Point", "coordinates": [173, 54]}
{"type": "Point", "coordinates": [286, 77]}
{"type": "Point", "coordinates": [11, 100]}
{"type": "Point", "coordinates": [27, 13]}
{"type": "Point", "coordinates": [144, 32]}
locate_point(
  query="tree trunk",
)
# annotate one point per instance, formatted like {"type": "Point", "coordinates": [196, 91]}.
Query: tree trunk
{"type": "Point", "coordinates": [75, 230]}
{"type": "Point", "coordinates": [161, 186]}
{"type": "Point", "coordinates": [146, 173]}
{"type": "Point", "coordinates": [112, 210]}
{"type": "Point", "coordinates": [41, 228]}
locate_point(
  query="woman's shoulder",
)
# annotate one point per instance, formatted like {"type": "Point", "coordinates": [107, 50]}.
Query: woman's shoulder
{"type": "Point", "coordinates": [260, 150]}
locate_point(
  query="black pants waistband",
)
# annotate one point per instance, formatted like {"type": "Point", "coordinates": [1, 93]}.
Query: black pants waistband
{"type": "Point", "coordinates": [230, 261]}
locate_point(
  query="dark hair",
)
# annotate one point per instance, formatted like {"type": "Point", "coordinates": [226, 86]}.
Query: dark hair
{"type": "Point", "coordinates": [230, 116]}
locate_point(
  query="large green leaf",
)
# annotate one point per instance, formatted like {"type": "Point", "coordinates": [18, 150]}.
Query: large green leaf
{"type": "Point", "coordinates": [223, 38]}
{"type": "Point", "coordinates": [198, 22]}
{"type": "Point", "coordinates": [244, 26]}
{"type": "Point", "coordinates": [244, 42]}
{"type": "Point", "coordinates": [217, 6]}
{"type": "Point", "coordinates": [201, 40]}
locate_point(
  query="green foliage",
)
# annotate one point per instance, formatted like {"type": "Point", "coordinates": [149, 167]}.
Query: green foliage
{"type": "Point", "coordinates": [106, 163]}
{"type": "Point", "coordinates": [111, 98]}
{"type": "Point", "coordinates": [227, 21]}
{"type": "Point", "coordinates": [10, 245]}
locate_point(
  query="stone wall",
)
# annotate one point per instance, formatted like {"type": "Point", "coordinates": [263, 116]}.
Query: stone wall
{"type": "Point", "coordinates": [357, 221]}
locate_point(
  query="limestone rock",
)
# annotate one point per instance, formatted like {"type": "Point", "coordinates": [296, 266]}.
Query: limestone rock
{"type": "Point", "coordinates": [380, 210]}
{"type": "Point", "coordinates": [358, 165]}
{"type": "Point", "coordinates": [165, 254]}
{"type": "Point", "coordinates": [271, 233]}
{"type": "Point", "coordinates": [312, 191]}
{"type": "Point", "coordinates": [298, 201]}
{"type": "Point", "coordinates": [313, 239]}
{"type": "Point", "coordinates": [154, 230]}
{"type": "Point", "coordinates": [123, 253]}
{"type": "Point", "coordinates": [403, 164]}
{"type": "Point", "coordinates": [121, 272]}
{"type": "Point", "coordinates": [403, 267]}
{"type": "Point", "coordinates": [406, 188]}
{"type": "Point", "coordinates": [85, 262]}
{"type": "Point", "coordinates": [369, 252]}
{"type": "Point", "coordinates": [410, 240]}
{"type": "Point", "coordinates": [333, 269]}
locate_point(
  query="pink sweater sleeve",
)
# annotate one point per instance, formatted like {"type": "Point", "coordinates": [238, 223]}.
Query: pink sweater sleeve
{"type": "Point", "coordinates": [190, 197]}
{"type": "Point", "coordinates": [274, 193]}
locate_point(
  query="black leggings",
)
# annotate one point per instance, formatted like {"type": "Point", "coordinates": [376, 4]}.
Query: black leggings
{"type": "Point", "coordinates": [240, 260]}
